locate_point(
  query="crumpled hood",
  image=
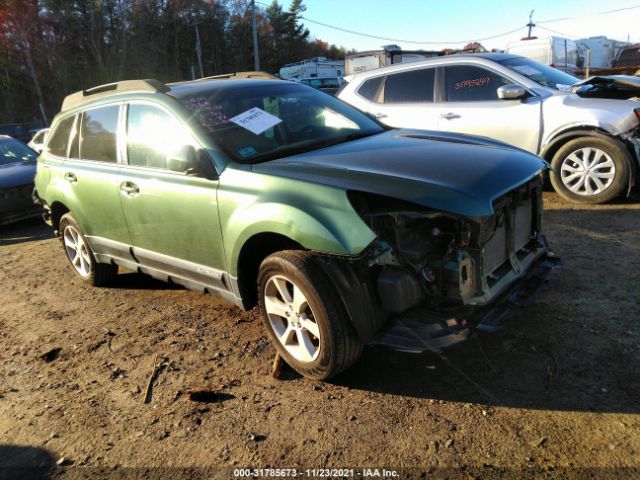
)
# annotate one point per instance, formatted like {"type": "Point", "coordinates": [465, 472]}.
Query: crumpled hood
{"type": "Point", "coordinates": [445, 171]}
{"type": "Point", "coordinates": [619, 87]}
{"type": "Point", "coordinates": [16, 174]}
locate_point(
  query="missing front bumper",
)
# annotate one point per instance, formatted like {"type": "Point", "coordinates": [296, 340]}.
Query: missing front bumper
{"type": "Point", "coordinates": [422, 329]}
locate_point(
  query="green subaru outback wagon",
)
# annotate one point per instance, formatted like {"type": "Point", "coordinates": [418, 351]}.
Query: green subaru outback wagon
{"type": "Point", "coordinates": [272, 194]}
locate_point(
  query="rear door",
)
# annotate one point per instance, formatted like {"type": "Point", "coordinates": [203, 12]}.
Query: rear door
{"type": "Point", "coordinates": [405, 99]}
{"type": "Point", "coordinates": [172, 215]}
{"type": "Point", "coordinates": [472, 106]}
{"type": "Point", "coordinates": [90, 176]}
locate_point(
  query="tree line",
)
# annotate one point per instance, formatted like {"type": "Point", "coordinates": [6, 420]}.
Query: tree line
{"type": "Point", "coordinates": [51, 48]}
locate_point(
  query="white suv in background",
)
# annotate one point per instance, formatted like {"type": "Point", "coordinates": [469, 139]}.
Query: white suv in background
{"type": "Point", "coordinates": [589, 130]}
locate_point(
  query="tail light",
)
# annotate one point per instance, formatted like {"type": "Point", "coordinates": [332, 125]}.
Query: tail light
{"type": "Point", "coordinates": [637, 112]}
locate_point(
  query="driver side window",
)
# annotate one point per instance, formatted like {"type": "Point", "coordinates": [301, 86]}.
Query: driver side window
{"type": "Point", "coordinates": [467, 83]}
{"type": "Point", "coordinates": [156, 139]}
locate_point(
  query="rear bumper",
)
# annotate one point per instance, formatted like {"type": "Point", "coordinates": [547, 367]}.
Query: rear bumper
{"type": "Point", "coordinates": [422, 329]}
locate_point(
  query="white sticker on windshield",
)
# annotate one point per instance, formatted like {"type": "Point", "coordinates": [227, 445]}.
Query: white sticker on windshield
{"type": "Point", "coordinates": [526, 70]}
{"type": "Point", "coordinates": [256, 120]}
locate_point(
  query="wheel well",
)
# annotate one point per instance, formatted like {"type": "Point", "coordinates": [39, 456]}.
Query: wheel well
{"type": "Point", "coordinates": [566, 136]}
{"type": "Point", "coordinates": [57, 211]}
{"type": "Point", "coordinates": [253, 252]}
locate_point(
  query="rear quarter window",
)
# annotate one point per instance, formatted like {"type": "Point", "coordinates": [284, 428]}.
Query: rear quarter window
{"type": "Point", "coordinates": [371, 88]}
{"type": "Point", "coordinates": [59, 138]}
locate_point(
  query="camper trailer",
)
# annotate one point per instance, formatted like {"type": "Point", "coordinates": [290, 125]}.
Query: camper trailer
{"type": "Point", "coordinates": [313, 68]}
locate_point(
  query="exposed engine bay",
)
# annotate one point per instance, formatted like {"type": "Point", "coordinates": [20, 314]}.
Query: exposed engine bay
{"type": "Point", "coordinates": [617, 87]}
{"type": "Point", "coordinates": [443, 259]}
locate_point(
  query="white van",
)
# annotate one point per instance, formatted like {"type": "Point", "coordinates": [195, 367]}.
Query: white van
{"type": "Point", "coordinates": [559, 52]}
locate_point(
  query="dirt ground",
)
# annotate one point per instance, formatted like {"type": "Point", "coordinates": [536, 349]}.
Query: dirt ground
{"type": "Point", "coordinates": [556, 395]}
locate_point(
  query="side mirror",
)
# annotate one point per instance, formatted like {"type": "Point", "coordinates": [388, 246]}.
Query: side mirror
{"type": "Point", "coordinates": [192, 162]}
{"type": "Point", "coordinates": [511, 92]}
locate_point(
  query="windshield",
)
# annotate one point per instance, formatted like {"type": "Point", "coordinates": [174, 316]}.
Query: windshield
{"type": "Point", "coordinates": [255, 124]}
{"type": "Point", "coordinates": [13, 151]}
{"type": "Point", "coordinates": [538, 72]}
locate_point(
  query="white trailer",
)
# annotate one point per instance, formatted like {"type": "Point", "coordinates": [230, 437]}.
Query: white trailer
{"type": "Point", "coordinates": [316, 67]}
{"type": "Point", "coordinates": [390, 54]}
{"type": "Point", "coordinates": [559, 52]}
{"type": "Point", "coordinates": [603, 50]}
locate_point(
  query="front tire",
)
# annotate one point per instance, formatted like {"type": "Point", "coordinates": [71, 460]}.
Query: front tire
{"type": "Point", "coordinates": [80, 255]}
{"type": "Point", "coordinates": [590, 170]}
{"type": "Point", "coordinates": [304, 315]}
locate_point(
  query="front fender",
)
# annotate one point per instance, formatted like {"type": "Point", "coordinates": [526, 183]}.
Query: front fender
{"type": "Point", "coordinates": [318, 217]}
{"type": "Point", "coordinates": [563, 113]}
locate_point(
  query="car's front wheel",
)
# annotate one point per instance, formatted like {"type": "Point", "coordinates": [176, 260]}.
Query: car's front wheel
{"type": "Point", "coordinates": [304, 315]}
{"type": "Point", "coordinates": [80, 256]}
{"type": "Point", "coordinates": [590, 170]}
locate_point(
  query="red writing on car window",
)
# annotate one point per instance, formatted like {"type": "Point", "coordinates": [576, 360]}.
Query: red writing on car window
{"type": "Point", "coordinates": [476, 82]}
{"type": "Point", "coordinates": [210, 116]}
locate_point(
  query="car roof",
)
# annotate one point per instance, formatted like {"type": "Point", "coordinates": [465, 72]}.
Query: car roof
{"type": "Point", "coordinates": [195, 87]}
{"type": "Point", "coordinates": [491, 56]}
{"type": "Point", "coordinates": [178, 89]}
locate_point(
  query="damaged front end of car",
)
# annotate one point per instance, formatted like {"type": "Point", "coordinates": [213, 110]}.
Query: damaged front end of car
{"type": "Point", "coordinates": [430, 277]}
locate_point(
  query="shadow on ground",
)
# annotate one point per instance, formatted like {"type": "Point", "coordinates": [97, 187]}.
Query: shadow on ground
{"type": "Point", "coordinates": [22, 462]}
{"type": "Point", "coordinates": [25, 231]}
{"type": "Point", "coordinates": [140, 281]}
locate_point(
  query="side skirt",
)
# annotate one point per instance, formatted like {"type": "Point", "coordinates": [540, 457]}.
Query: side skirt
{"type": "Point", "coordinates": [190, 275]}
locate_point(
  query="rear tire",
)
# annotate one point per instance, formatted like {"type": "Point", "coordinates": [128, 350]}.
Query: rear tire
{"type": "Point", "coordinates": [590, 170]}
{"type": "Point", "coordinates": [304, 315]}
{"type": "Point", "coordinates": [81, 257]}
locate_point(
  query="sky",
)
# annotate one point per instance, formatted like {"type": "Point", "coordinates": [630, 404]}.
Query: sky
{"type": "Point", "coordinates": [454, 22]}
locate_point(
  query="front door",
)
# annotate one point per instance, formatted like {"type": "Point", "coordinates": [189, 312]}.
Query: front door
{"type": "Point", "coordinates": [471, 105]}
{"type": "Point", "coordinates": [172, 215]}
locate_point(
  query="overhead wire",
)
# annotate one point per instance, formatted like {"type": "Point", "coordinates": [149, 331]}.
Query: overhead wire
{"type": "Point", "coordinates": [431, 42]}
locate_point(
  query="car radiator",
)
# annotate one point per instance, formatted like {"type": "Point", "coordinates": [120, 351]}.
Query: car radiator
{"type": "Point", "coordinates": [511, 247]}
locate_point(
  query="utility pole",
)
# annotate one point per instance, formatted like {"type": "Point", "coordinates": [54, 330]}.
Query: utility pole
{"type": "Point", "coordinates": [199, 51]}
{"type": "Point", "coordinates": [530, 24]}
{"type": "Point", "coordinates": [256, 57]}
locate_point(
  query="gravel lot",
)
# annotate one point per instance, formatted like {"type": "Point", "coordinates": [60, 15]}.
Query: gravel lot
{"type": "Point", "coordinates": [557, 395]}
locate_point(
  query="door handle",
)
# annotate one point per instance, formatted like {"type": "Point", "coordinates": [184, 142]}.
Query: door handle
{"type": "Point", "coordinates": [70, 177]}
{"type": "Point", "coordinates": [379, 115]}
{"type": "Point", "coordinates": [449, 115]}
{"type": "Point", "coordinates": [129, 188]}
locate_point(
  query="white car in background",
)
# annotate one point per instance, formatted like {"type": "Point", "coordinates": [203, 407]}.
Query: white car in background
{"type": "Point", "coordinates": [37, 141]}
{"type": "Point", "coordinates": [589, 130]}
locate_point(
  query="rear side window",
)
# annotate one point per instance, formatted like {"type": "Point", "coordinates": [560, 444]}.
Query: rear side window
{"type": "Point", "coordinates": [370, 88]}
{"type": "Point", "coordinates": [59, 139]}
{"type": "Point", "coordinates": [415, 86]}
{"type": "Point", "coordinates": [98, 137]}
{"type": "Point", "coordinates": [466, 83]}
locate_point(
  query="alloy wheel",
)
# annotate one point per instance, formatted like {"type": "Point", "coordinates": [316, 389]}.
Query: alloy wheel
{"type": "Point", "coordinates": [291, 318]}
{"type": "Point", "coordinates": [77, 251]}
{"type": "Point", "coordinates": [588, 171]}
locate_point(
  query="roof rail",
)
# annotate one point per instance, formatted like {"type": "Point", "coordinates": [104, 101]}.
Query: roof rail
{"type": "Point", "coordinates": [241, 75]}
{"type": "Point", "coordinates": [94, 93]}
